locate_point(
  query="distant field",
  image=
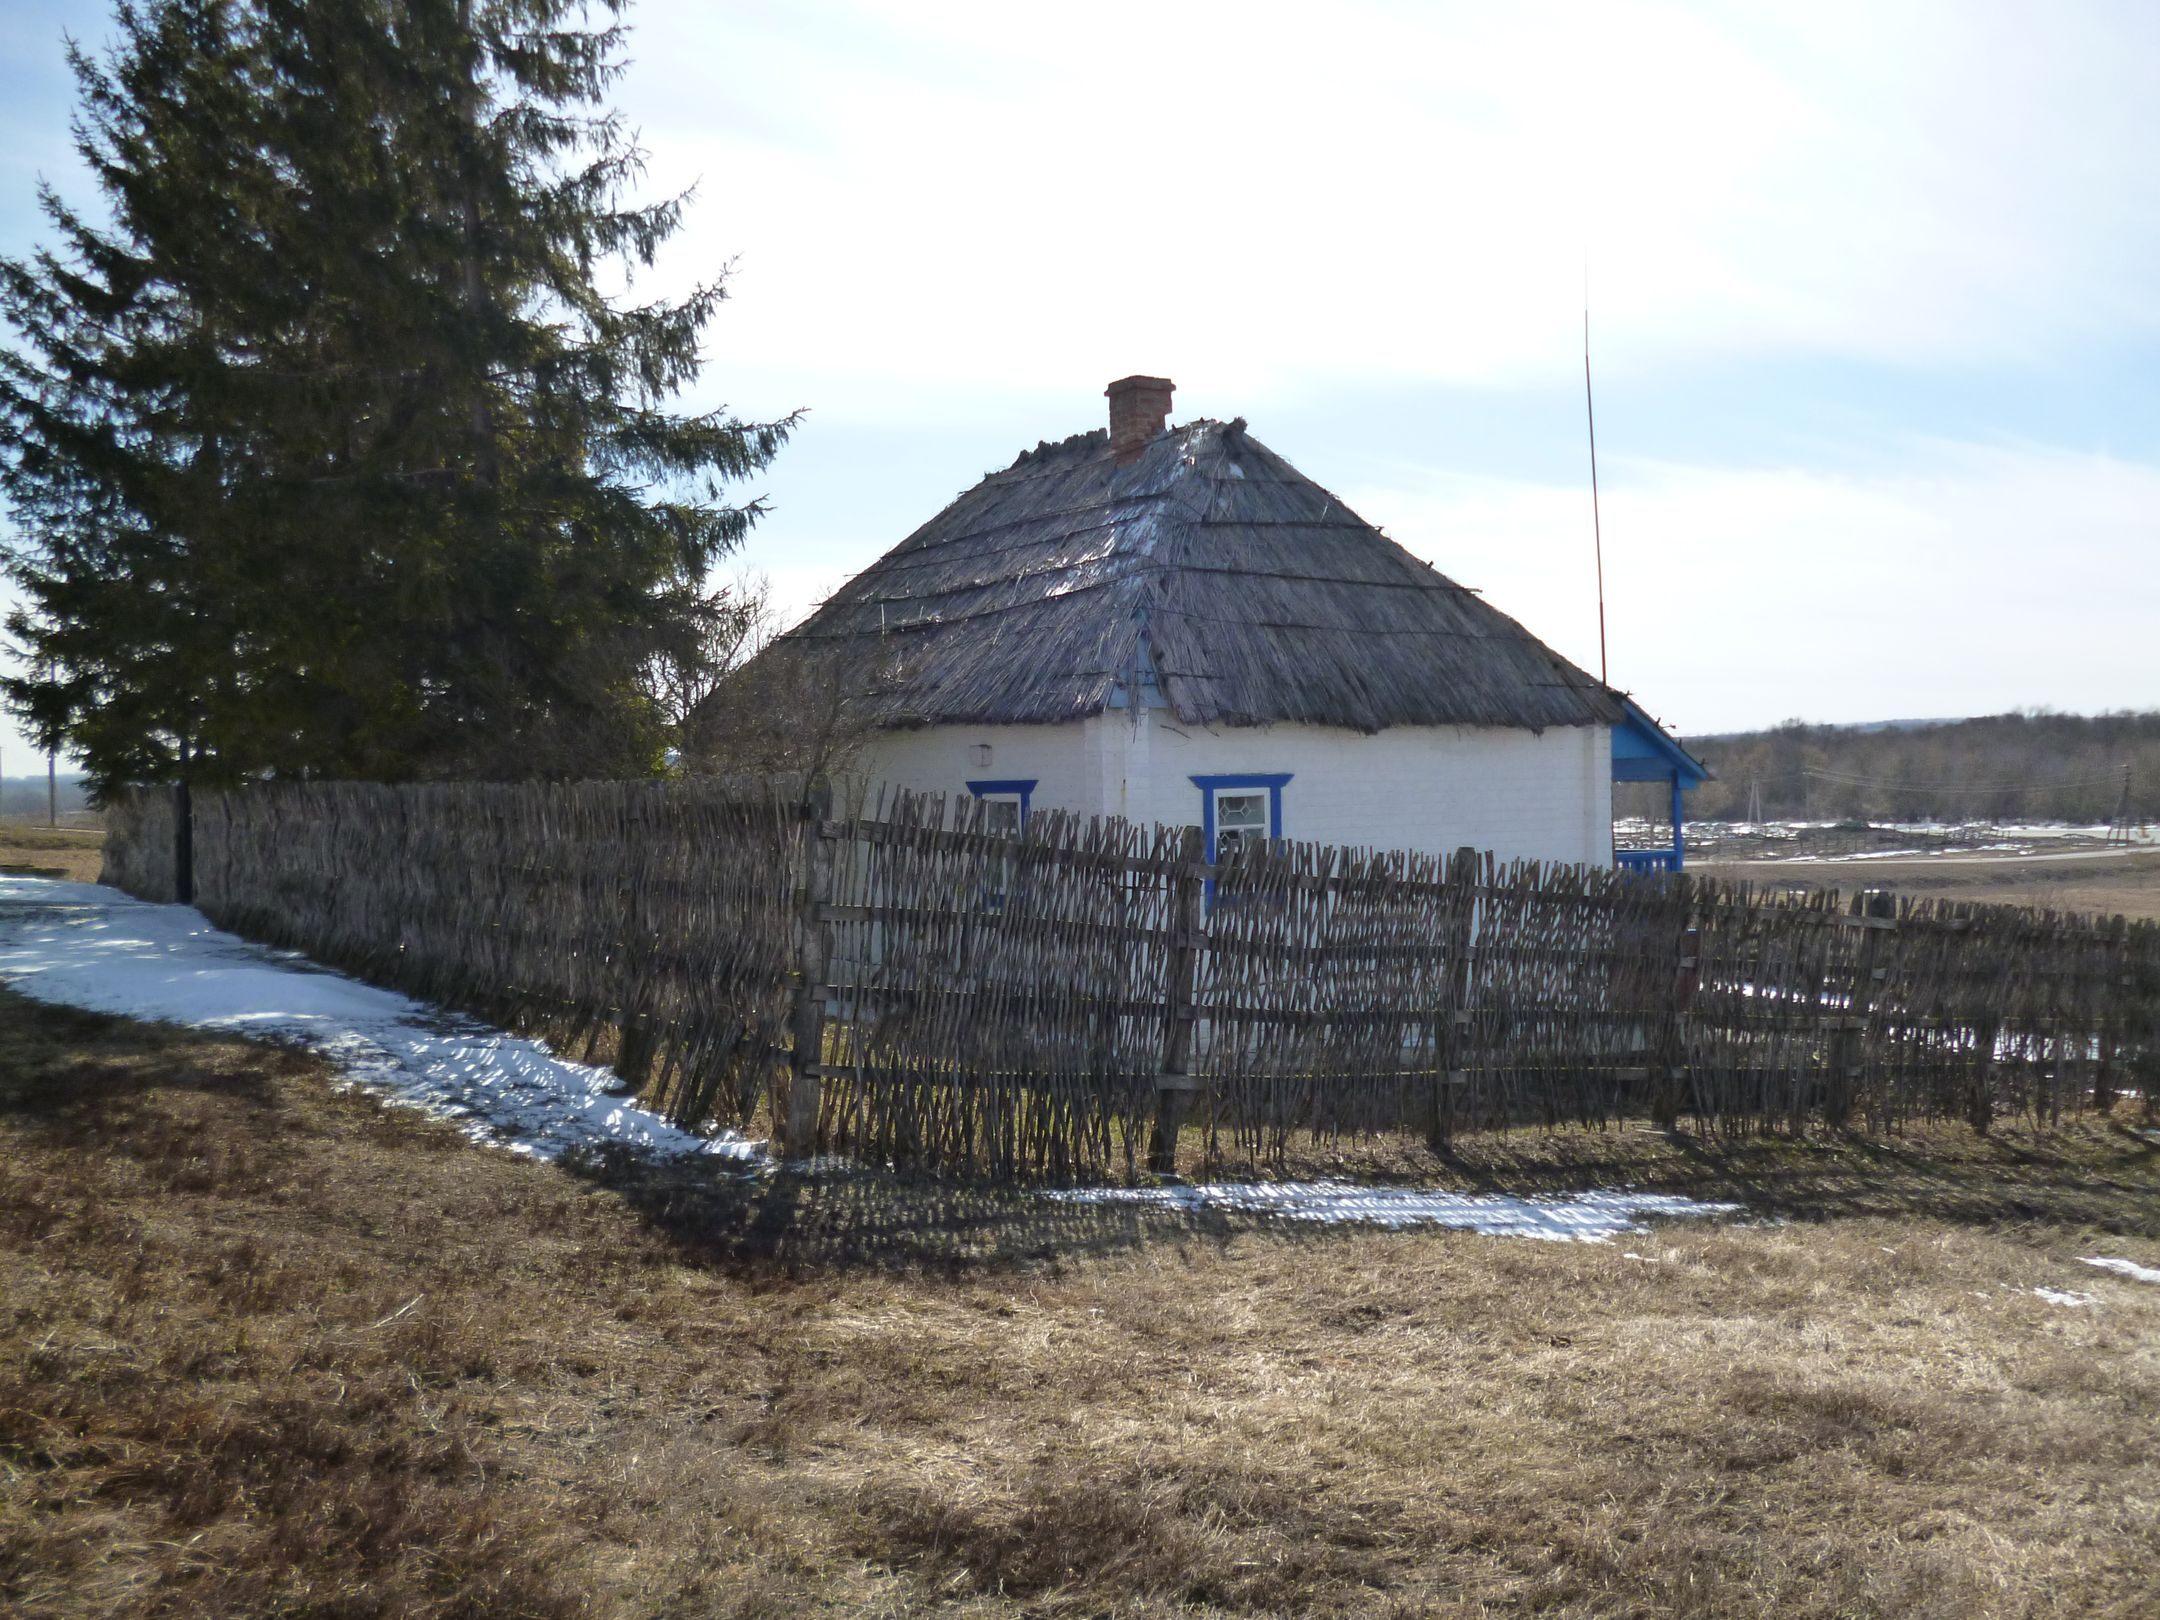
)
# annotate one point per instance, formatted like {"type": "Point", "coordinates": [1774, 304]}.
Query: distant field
{"type": "Point", "coordinates": [266, 1347]}
{"type": "Point", "coordinates": [63, 852]}
{"type": "Point", "coordinates": [2125, 884]}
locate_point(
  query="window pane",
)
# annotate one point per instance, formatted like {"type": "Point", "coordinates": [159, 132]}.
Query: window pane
{"type": "Point", "coordinates": [1001, 815]}
{"type": "Point", "coordinates": [1245, 811]}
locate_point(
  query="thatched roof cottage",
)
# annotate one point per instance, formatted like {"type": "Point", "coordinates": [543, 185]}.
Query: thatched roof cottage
{"type": "Point", "coordinates": [1176, 625]}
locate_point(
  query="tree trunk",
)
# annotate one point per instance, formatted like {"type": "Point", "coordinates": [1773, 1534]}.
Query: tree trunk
{"type": "Point", "coordinates": [184, 832]}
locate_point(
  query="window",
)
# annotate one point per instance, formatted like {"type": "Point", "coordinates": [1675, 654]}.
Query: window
{"type": "Point", "coordinates": [1005, 813]}
{"type": "Point", "coordinates": [1239, 815]}
{"type": "Point", "coordinates": [1238, 809]}
{"type": "Point", "coordinates": [1008, 803]}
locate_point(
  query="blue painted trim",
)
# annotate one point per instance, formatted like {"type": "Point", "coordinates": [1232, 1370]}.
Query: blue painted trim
{"type": "Point", "coordinates": [1023, 789]}
{"type": "Point", "coordinates": [1644, 751]}
{"type": "Point", "coordinates": [1208, 786]}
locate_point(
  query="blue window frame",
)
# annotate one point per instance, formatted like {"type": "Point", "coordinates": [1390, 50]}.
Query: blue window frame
{"type": "Point", "coordinates": [1214, 787]}
{"type": "Point", "coordinates": [1012, 789]}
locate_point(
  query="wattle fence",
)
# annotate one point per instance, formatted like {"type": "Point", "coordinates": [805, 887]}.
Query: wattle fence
{"type": "Point", "coordinates": [907, 988]}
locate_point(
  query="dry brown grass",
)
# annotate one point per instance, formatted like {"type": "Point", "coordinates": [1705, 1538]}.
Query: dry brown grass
{"type": "Point", "coordinates": [60, 852]}
{"type": "Point", "coordinates": [271, 1349]}
{"type": "Point", "coordinates": [2126, 885]}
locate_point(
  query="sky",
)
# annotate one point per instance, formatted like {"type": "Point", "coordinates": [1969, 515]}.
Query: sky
{"type": "Point", "coordinates": [1874, 296]}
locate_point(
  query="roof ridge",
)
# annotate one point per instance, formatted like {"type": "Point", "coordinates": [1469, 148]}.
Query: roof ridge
{"type": "Point", "coordinates": [1051, 447]}
{"type": "Point", "coordinates": [1264, 595]}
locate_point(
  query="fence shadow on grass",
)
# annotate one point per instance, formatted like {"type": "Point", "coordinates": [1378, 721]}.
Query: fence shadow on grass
{"type": "Point", "coordinates": [2104, 1176]}
{"type": "Point", "coordinates": [845, 1221]}
{"type": "Point", "coordinates": [2094, 1173]}
{"type": "Point", "coordinates": [66, 1068]}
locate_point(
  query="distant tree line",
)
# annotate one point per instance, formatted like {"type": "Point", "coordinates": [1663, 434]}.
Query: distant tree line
{"type": "Point", "coordinates": [23, 798]}
{"type": "Point", "coordinates": [2032, 766]}
{"type": "Point", "coordinates": [330, 443]}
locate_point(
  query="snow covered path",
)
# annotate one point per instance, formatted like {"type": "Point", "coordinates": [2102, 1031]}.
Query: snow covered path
{"type": "Point", "coordinates": [1587, 1217]}
{"type": "Point", "coordinates": [88, 946]}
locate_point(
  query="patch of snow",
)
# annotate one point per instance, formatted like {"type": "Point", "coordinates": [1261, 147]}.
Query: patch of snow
{"type": "Point", "coordinates": [83, 945]}
{"type": "Point", "coordinates": [1589, 1217]}
{"type": "Point", "coordinates": [2126, 1268]}
{"type": "Point", "coordinates": [2062, 1296]}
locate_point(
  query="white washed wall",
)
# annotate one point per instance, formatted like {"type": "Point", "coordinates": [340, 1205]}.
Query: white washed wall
{"type": "Point", "coordinates": [1519, 793]}
{"type": "Point", "coordinates": [941, 759]}
{"type": "Point", "coordinates": [1437, 788]}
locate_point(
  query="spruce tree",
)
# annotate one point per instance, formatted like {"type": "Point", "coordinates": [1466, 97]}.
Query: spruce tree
{"type": "Point", "coordinates": [330, 455]}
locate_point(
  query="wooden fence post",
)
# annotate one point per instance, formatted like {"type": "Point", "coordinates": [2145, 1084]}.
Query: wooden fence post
{"type": "Point", "coordinates": [1174, 1086]}
{"type": "Point", "coordinates": [798, 1124]}
{"type": "Point", "coordinates": [1449, 1044]}
{"type": "Point", "coordinates": [1668, 1053]}
{"type": "Point", "coordinates": [183, 841]}
{"type": "Point", "coordinates": [2140, 984]}
{"type": "Point", "coordinates": [2109, 1015]}
{"type": "Point", "coordinates": [1873, 911]}
{"type": "Point", "coordinates": [1980, 1093]}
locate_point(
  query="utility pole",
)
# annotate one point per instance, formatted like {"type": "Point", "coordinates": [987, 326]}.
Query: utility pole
{"type": "Point", "coordinates": [1597, 528]}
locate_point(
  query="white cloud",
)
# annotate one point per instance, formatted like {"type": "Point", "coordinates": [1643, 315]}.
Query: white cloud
{"type": "Point", "coordinates": [942, 200]}
{"type": "Point", "coordinates": [1977, 579]}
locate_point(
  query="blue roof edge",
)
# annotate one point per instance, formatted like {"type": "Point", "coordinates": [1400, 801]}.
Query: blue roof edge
{"type": "Point", "coordinates": [1644, 740]}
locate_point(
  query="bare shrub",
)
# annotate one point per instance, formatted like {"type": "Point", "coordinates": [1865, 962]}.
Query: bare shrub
{"type": "Point", "coordinates": [786, 709]}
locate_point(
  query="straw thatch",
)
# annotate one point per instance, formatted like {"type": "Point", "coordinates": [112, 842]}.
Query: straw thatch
{"type": "Point", "coordinates": [1208, 569]}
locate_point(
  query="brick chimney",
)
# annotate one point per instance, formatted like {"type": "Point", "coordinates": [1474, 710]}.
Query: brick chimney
{"type": "Point", "coordinates": [1139, 406]}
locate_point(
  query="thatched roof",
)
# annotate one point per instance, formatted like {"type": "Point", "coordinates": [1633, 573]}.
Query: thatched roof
{"type": "Point", "coordinates": [1206, 566]}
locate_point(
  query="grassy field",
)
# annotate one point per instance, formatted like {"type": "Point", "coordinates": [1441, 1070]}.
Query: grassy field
{"type": "Point", "coordinates": [60, 852]}
{"type": "Point", "coordinates": [271, 1349]}
{"type": "Point", "coordinates": [2126, 885]}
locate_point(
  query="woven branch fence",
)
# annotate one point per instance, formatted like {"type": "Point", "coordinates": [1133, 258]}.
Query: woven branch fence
{"type": "Point", "coordinates": [909, 988]}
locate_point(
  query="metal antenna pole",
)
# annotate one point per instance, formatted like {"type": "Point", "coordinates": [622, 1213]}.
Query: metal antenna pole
{"type": "Point", "coordinates": [1597, 528]}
